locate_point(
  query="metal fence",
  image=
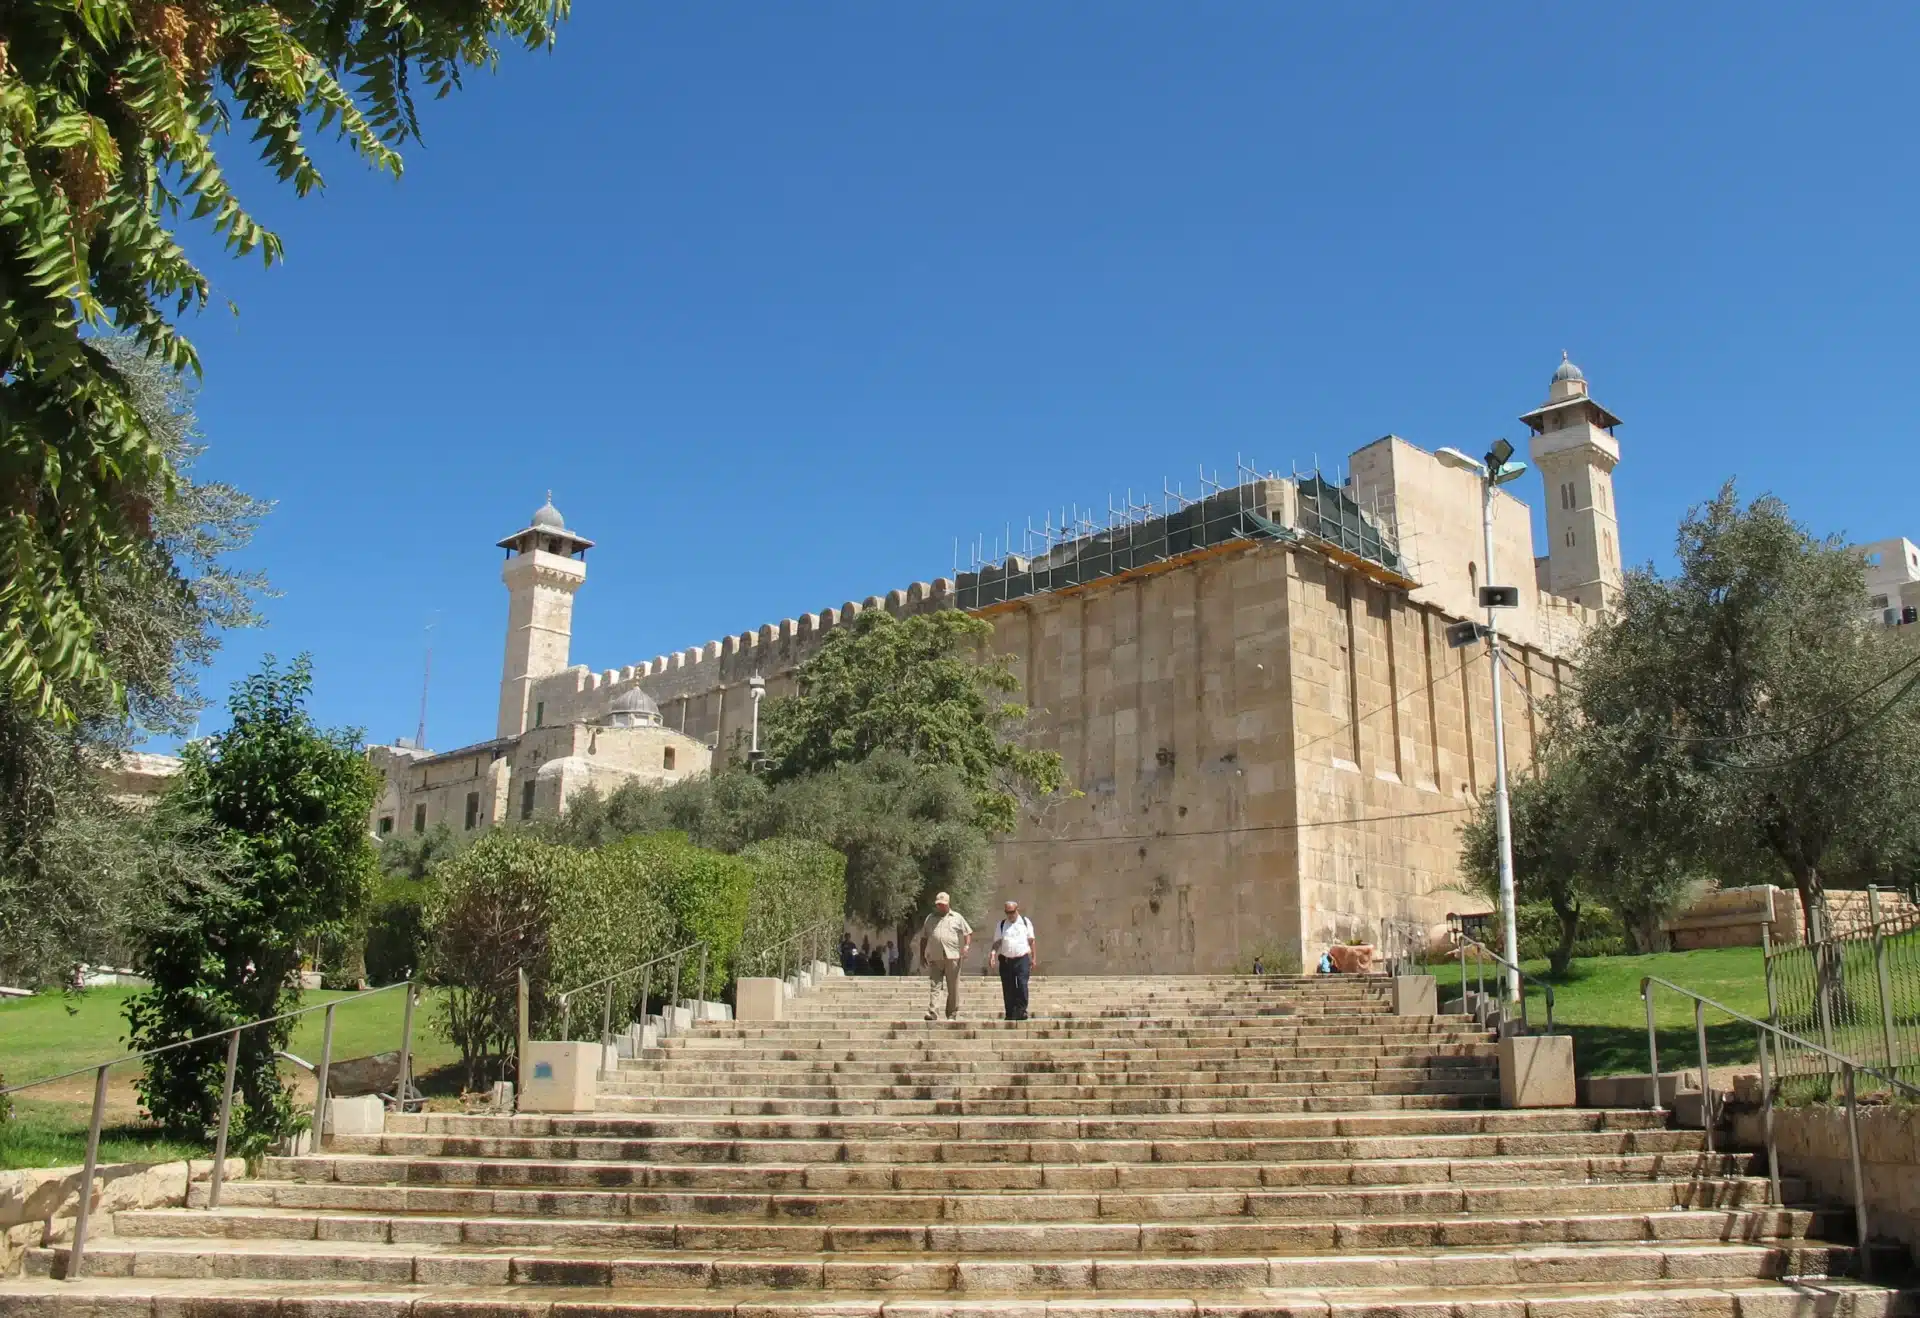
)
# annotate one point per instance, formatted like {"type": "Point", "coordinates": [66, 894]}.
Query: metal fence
{"type": "Point", "coordinates": [1851, 983]}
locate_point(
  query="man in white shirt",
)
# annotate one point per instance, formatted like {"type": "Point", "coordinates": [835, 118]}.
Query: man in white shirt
{"type": "Point", "coordinates": [1013, 951]}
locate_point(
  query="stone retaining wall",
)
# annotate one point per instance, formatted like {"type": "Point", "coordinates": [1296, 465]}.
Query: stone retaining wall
{"type": "Point", "coordinates": [38, 1205]}
{"type": "Point", "coordinates": [1813, 1144]}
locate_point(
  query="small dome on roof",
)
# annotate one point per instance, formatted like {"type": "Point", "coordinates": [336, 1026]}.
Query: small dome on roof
{"type": "Point", "coordinates": [633, 701]}
{"type": "Point", "coordinates": [1566, 371]}
{"type": "Point", "coordinates": [633, 708]}
{"type": "Point", "coordinates": [548, 517]}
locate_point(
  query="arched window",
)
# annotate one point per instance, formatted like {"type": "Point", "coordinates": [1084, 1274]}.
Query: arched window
{"type": "Point", "coordinates": [666, 758]}
{"type": "Point", "coordinates": [1473, 579]}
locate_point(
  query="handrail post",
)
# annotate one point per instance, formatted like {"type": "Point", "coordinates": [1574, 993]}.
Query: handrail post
{"type": "Point", "coordinates": [1549, 1009]}
{"type": "Point", "coordinates": [1823, 988]}
{"type": "Point", "coordinates": [521, 1034]}
{"type": "Point", "coordinates": [700, 993]}
{"type": "Point", "coordinates": [1859, 1185]}
{"type": "Point", "coordinates": [226, 1120]}
{"type": "Point", "coordinates": [668, 1017]}
{"type": "Point", "coordinates": [1706, 1076]}
{"type": "Point", "coordinates": [606, 1015]}
{"type": "Point", "coordinates": [1766, 1119]}
{"type": "Point", "coordinates": [77, 1251]}
{"type": "Point", "coordinates": [403, 1082]}
{"type": "Point", "coordinates": [320, 1094]}
{"type": "Point", "coordinates": [1653, 1049]}
{"type": "Point", "coordinates": [566, 1016]}
{"type": "Point", "coordinates": [1880, 971]}
{"type": "Point", "coordinates": [646, 991]}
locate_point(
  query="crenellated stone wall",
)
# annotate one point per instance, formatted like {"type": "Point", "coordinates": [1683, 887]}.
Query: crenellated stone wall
{"type": "Point", "coordinates": [702, 690]}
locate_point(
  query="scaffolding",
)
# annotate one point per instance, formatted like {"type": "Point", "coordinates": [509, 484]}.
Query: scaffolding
{"type": "Point", "coordinates": [1075, 547]}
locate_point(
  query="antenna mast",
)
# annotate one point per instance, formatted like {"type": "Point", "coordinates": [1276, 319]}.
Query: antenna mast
{"type": "Point", "coordinates": [426, 680]}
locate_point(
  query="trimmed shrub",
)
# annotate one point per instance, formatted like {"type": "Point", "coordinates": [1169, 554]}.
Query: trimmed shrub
{"type": "Point", "coordinates": [796, 884]}
{"type": "Point", "coordinates": [491, 913]}
{"type": "Point", "coordinates": [396, 930]}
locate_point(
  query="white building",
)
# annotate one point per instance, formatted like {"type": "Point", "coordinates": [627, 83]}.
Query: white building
{"type": "Point", "coordinates": [1893, 580]}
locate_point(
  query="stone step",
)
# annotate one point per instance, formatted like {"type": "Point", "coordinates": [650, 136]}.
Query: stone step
{"type": "Point", "coordinates": [1283, 1065]}
{"type": "Point", "coordinates": [986, 1189]}
{"type": "Point", "coordinates": [1508, 1124]}
{"type": "Point", "coordinates": [724, 1146]}
{"type": "Point", "coordinates": [1018, 1032]}
{"type": "Point", "coordinates": [1194, 1236]}
{"type": "Point", "coordinates": [992, 1058]}
{"type": "Point", "coordinates": [1139, 1084]}
{"type": "Point", "coordinates": [868, 1273]}
{"type": "Point", "coordinates": [1343, 1070]}
{"type": "Point", "coordinates": [416, 1151]}
{"type": "Point", "coordinates": [1022, 1107]}
{"type": "Point", "coordinates": [642, 1088]}
{"type": "Point", "coordinates": [1407, 1297]}
{"type": "Point", "coordinates": [959, 1106]}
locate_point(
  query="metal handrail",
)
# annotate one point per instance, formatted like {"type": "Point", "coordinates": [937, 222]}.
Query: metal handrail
{"type": "Point", "coordinates": [607, 982]}
{"type": "Point", "coordinates": [1519, 978]}
{"type": "Point", "coordinates": [1765, 1028]}
{"type": "Point", "coordinates": [811, 932]}
{"type": "Point", "coordinates": [76, 1252]}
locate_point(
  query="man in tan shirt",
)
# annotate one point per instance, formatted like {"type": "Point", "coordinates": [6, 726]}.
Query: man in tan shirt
{"type": "Point", "coordinates": [945, 940]}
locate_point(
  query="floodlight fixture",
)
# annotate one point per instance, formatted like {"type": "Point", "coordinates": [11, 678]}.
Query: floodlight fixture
{"type": "Point", "coordinates": [1453, 457]}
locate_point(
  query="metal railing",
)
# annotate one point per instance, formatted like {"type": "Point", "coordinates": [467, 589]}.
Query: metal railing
{"type": "Point", "coordinates": [808, 944]}
{"type": "Point", "coordinates": [76, 1252]}
{"type": "Point", "coordinates": [1479, 1006]}
{"type": "Point", "coordinates": [645, 971]}
{"type": "Point", "coordinates": [1768, 1078]}
{"type": "Point", "coordinates": [1852, 982]}
{"type": "Point", "coordinates": [1404, 945]}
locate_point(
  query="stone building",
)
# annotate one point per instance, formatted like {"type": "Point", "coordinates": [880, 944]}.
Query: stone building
{"type": "Point", "coordinates": [1275, 743]}
{"type": "Point", "coordinates": [539, 764]}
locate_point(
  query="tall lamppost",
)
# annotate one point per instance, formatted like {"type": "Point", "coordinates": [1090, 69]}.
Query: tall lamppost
{"type": "Point", "coordinates": [1496, 469]}
{"type": "Point", "coordinates": [757, 688]}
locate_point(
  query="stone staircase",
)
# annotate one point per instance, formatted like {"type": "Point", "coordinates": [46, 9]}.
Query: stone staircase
{"type": "Point", "coordinates": [1145, 1147]}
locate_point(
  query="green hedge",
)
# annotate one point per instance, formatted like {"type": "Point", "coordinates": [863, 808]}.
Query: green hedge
{"type": "Point", "coordinates": [796, 884]}
{"type": "Point", "coordinates": [571, 917]}
{"type": "Point", "coordinates": [645, 897]}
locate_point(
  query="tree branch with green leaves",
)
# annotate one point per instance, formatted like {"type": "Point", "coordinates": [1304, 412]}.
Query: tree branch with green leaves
{"type": "Point", "coordinates": [110, 115]}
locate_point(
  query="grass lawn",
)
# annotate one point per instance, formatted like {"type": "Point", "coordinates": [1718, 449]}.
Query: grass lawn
{"type": "Point", "coordinates": [46, 1035]}
{"type": "Point", "coordinates": [1598, 1002]}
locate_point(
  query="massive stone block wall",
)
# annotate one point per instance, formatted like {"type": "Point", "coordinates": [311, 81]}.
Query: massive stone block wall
{"type": "Point", "coordinates": [1275, 753]}
{"type": "Point", "coordinates": [1274, 750]}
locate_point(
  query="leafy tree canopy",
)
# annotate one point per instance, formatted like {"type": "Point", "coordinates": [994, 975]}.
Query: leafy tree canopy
{"type": "Point", "coordinates": [288, 803]}
{"type": "Point", "coordinates": [925, 688]}
{"type": "Point", "coordinates": [77, 868]}
{"type": "Point", "coordinates": [1746, 718]}
{"type": "Point", "coordinates": [109, 115]}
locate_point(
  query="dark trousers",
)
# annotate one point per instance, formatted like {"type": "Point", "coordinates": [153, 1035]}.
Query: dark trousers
{"type": "Point", "coordinates": [1014, 971]}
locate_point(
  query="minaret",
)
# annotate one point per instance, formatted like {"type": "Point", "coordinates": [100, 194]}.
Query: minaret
{"type": "Point", "coordinates": [1574, 448]}
{"type": "Point", "coordinates": [545, 565]}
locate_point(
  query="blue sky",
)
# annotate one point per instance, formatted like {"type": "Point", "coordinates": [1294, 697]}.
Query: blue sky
{"type": "Point", "coordinates": [779, 300]}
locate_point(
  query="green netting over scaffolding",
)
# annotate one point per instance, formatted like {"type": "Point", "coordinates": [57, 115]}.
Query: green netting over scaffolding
{"type": "Point", "coordinates": [1076, 550]}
